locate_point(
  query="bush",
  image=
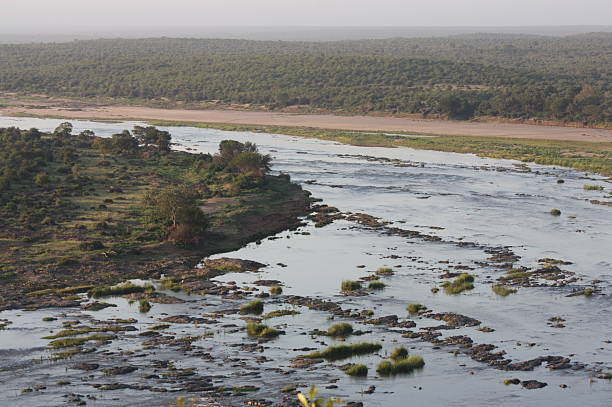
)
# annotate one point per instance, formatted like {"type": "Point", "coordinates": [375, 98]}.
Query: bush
{"type": "Point", "coordinates": [254, 307]}
{"type": "Point", "coordinates": [276, 290]}
{"type": "Point", "coordinates": [399, 353]}
{"type": "Point", "coordinates": [144, 305]}
{"type": "Point", "coordinates": [385, 271]}
{"type": "Point", "coordinates": [340, 329]}
{"type": "Point", "coordinates": [555, 212]}
{"type": "Point", "coordinates": [357, 371]}
{"type": "Point", "coordinates": [350, 285]}
{"type": "Point", "coordinates": [340, 352]}
{"type": "Point", "coordinates": [502, 290]}
{"type": "Point", "coordinates": [415, 308]}
{"type": "Point", "coordinates": [260, 330]}
{"type": "Point", "coordinates": [400, 366]}
{"type": "Point", "coordinates": [459, 284]}
{"type": "Point", "coordinates": [376, 285]}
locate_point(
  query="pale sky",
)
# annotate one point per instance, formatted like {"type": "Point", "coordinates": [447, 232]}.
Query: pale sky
{"type": "Point", "coordinates": [68, 15]}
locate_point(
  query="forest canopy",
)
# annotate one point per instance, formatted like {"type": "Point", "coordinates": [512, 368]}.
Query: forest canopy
{"type": "Point", "coordinates": [514, 76]}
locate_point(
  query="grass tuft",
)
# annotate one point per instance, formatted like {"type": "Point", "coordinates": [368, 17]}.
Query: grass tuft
{"type": "Point", "coordinates": [255, 307]}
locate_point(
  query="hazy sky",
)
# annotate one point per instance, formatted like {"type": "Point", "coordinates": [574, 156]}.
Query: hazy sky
{"type": "Point", "coordinates": [66, 15]}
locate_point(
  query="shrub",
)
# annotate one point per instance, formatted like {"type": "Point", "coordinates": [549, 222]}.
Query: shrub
{"type": "Point", "coordinates": [340, 352]}
{"type": "Point", "coordinates": [121, 289]}
{"type": "Point", "coordinates": [357, 371]}
{"type": "Point", "coordinates": [260, 330]}
{"type": "Point", "coordinates": [340, 329]}
{"type": "Point", "coordinates": [502, 290]}
{"type": "Point", "coordinates": [144, 305]}
{"type": "Point", "coordinates": [415, 308]}
{"type": "Point", "coordinates": [385, 271]}
{"type": "Point", "coordinates": [459, 284]}
{"type": "Point", "coordinates": [350, 285]}
{"type": "Point", "coordinates": [276, 290]}
{"type": "Point", "coordinates": [376, 285]}
{"type": "Point", "coordinates": [399, 353]}
{"type": "Point", "coordinates": [400, 366]}
{"type": "Point", "coordinates": [254, 307]}
{"type": "Point", "coordinates": [555, 212]}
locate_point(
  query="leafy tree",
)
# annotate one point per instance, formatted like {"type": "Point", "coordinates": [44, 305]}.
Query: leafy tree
{"type": "Point", "coordinates": [251, 163]}
{"type": "Point", "coordinates": [151, 136]}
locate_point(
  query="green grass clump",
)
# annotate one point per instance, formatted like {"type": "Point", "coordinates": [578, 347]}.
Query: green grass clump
{"type": "Point", "coordinates": [340, 352]}
{"type": "Point", "coordinates": [117, 290]}
{"type": "Point", "coordinates": [400, 366]}
{"type": "Point", "coordinates": [385, 271]}
{"type": "Point", "coordinates": [357, 370]}
{"type": "Point", "coordinates": [170, 283]}
{"type": "Point", "coordinates": [350, 285]}
{"type": "Point", "coordinates": [399, 353]}
{"type": "Point", "coordinates": [340, 329]}
{"type": "Point", "coordinates": [502, 290]}
{"type": "Point", "coordinates": [435, 290]}
{"type": "Point", "coordinates": [592, 187]}
{"type": "Point", "coordinates": [459, 284]}
{"type": "Point", "coordinates": [376, 285]}
{"type": "Point", "coordinates": [415, 308]}
{"type": "Point", "coordinates": [70, 342]}
{"type": "Point", "coordinates": [280, 313]}
{"type": "Point", "coordinates": [276, 290]}
{"type": "Point", "coordinates": [49, 319]}
{"type": "Point", "coordinates": [260, 330]}
{"type": "Point", "coordinates": [555, 212]}
{"type": "Point", "coordinates": [255, 307]}
{"type": "Point", "coordinates": [159, 327]}
{"type": "Point", "coordinates": [144, 305]}
{"type": "Point", "coordinates": [66, 290]}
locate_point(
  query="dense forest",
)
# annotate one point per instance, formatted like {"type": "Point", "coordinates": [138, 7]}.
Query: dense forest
{"type": "Point", "coordinates": [515, 76]}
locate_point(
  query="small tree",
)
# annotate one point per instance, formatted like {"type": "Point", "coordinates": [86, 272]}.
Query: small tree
{"type": "Point", "coordinates": [170, 201]}
{"type": "Point", "coordinates": [63, 130]}
{"type": "Point", "coordinates": [251, 163]}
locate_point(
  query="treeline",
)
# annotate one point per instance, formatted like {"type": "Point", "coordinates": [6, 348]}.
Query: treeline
{"type": "Point", "coordinates": [510, 76]}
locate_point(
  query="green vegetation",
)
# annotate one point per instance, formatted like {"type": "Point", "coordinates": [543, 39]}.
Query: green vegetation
{"type": "Point", "coordinates": [70, 342]}
{"type": "Point", "coordinates": [555, 212]}
{"type": "Point", "coordinates": [502, 290]}
{"type": "Point", "coordinates": [340, 352]}
{"type": "Point", "coordinates": [459, 284]}
{"type": "Point", "coordinates": [350, 285]}
{"type": "Point", "coordinates": [170, 283]}
{"type": "Point", "coordinates": [415, 308]}
{"type": "Point", "coordinates": [280, 313]}
{"type": "Point", "coordinates": [254, 307]}
{"type": "Point", "coordinates": [555, 78]}
{"type": "Point", "coordinates": [144, 305]}
{"type": "Point", "coordinates": [357, 370]}
{"type": "Point", "coordinates": [276, 290]}
{"type": "Point", "coordinates": [399, 353]}
{"type": "Point", "coordinates": [261, 330]}
{"type": "Point", "coordinates": [376, 285]}
{"type": "Point", "coordinates": [117, 290]}
{"type": "Point", "coordinates": [593, 187]}
{"type": "Point", "coordinates": [108, 205]}
{"type": "Point", "coordinates": [385, 271]}
{"type": "Point", "coordinates": [342, 329]}
{"type": "Point", "coordinates": [400, 366]}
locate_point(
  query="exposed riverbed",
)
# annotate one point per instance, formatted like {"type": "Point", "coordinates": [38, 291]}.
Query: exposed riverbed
{"type": "Point", "coordinates": [465, 209]}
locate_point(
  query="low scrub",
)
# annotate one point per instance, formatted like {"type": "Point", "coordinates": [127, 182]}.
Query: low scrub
{"type": "Point", "coordinates": [255, 307]}
{"type": "Point", "coordinates": [376, 285]}
{"type": "Point", "coordinates": [502, 290]}
{"type": "Point", "coordinates": [350, 285]}
{"type": "Point", "coordinates": [460, 284]}
{"type": "Point", "coordinates": [400, 366]}
{"type": "Point", "coordinates": [255, 329]}
{"type": "Point", "coordinates": [280, 313]}
{"type": "Point", "coordinates": [340, 352]}
{"type": "Point", "coordinates": [357, 370]}
{"type": "Point", "coordinates": [117, 290]}
{"type": "Point", "coordinates": [415, 308]}
{"type": "Point", "coordinates": [340, 329]}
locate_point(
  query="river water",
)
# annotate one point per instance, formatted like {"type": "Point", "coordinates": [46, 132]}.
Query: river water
{"type": "Point", "coordinates": [457, 197]}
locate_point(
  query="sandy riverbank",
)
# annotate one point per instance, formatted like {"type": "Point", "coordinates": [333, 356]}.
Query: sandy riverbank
{"type": "Point", "coordinates": [323, 121]}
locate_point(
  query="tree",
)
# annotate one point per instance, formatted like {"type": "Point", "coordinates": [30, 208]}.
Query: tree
{"type": "Point", "coordinates": [151, 135]}
{"type": "Point", "coordinates": [63, 130]}
{"type": "Point", "coordinates": [167, 203]}
{"type": "Point", "coordinates": [229, 149]}
{"type": "Point", "coordinates": [251, 163]}
{"type": "Point", "coordinates": [124, 143]}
